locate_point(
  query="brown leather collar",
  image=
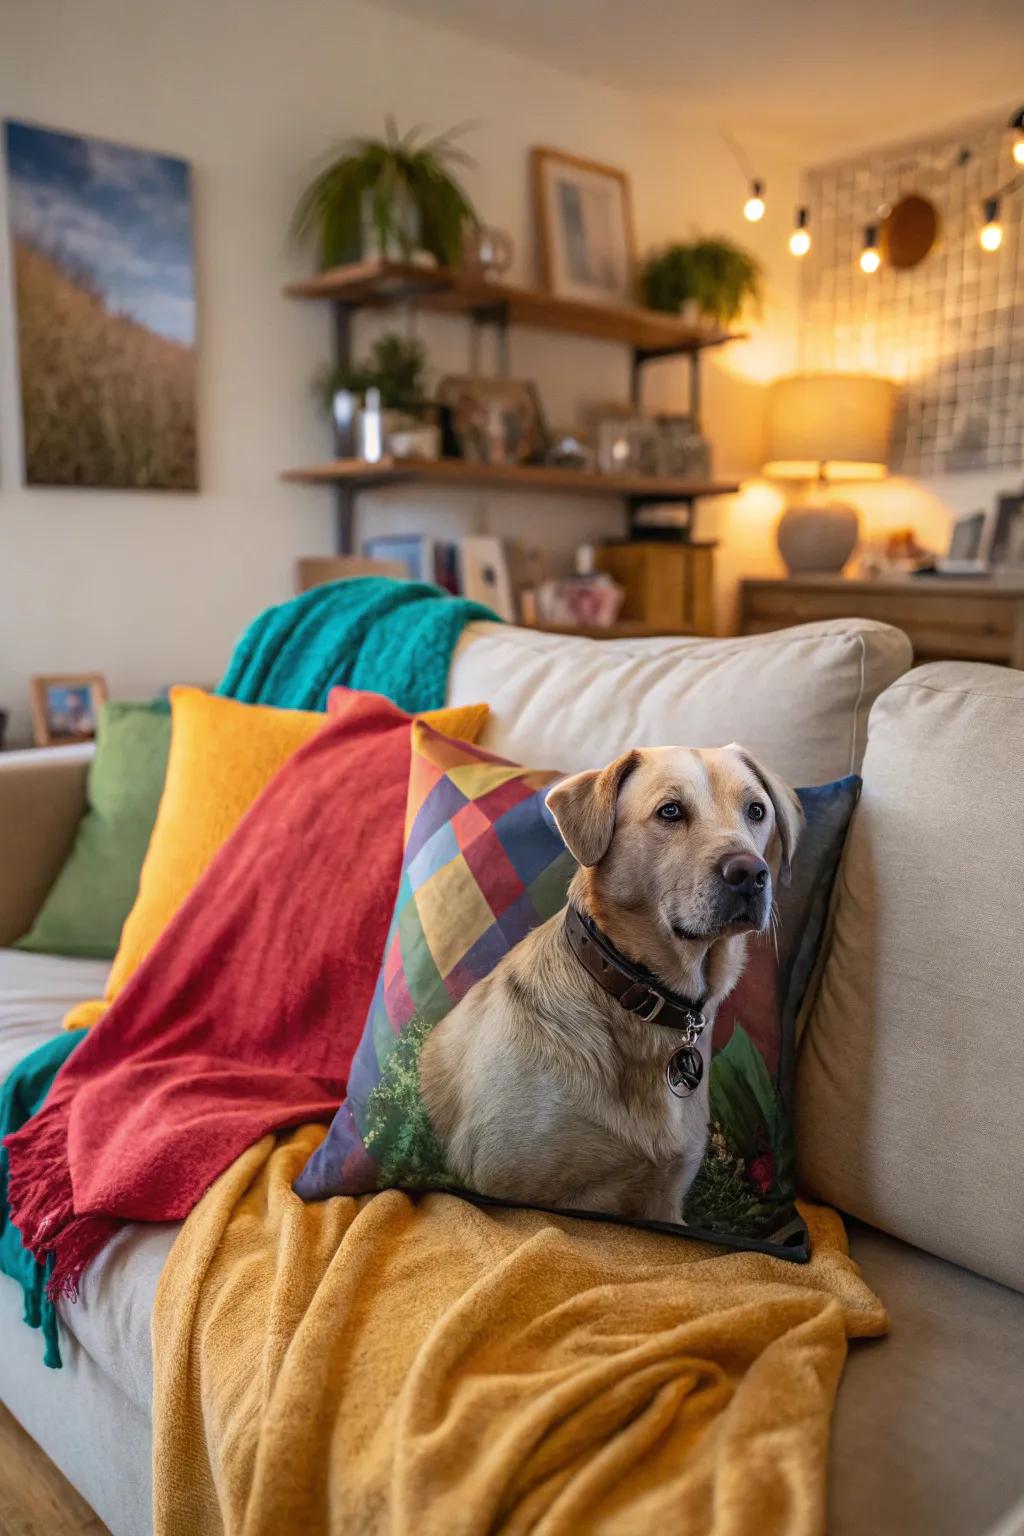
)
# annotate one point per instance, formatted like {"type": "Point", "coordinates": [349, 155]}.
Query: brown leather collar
{"type": "Point", "coordinates": [635, 989]}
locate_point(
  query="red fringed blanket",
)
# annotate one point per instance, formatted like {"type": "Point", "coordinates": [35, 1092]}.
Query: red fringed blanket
{"type": "Point", "coordinates": [244, 1018]}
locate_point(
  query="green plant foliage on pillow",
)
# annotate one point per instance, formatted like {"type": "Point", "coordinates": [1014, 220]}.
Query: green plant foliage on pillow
{"type": "Point", "coordinates": [93, 894]}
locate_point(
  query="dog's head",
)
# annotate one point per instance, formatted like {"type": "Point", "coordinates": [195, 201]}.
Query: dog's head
{"type": "Point", "coordinates": [689, 841]}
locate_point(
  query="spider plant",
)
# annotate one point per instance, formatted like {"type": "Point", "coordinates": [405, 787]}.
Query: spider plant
{"type": "Point", "coordinates": [717, 275]}
{"type": "Point", "coordinates": [373, 185]}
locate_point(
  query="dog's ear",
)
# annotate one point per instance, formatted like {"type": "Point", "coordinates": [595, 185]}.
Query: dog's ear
{"type": "Point", "coordinates": [789, 813]}
{"type": "Point", "coordinates": [584, 808]}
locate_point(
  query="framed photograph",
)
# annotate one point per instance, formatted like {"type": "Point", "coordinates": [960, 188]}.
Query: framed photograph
{"type": "Point", "coordinates": [410, 555]}
{"type": "Point", "coordinates": [106, 315]}
{"type": "Point", "coordinates": [585, 228]}
{"type": "Point", "coordinates": [1008, 532]}
{"type": "Point", "coordinates": [494, 421]}
{"type": "Point", "coordinates": [66, 709]}
{"type": "Point", "coordinates": [486, 575]}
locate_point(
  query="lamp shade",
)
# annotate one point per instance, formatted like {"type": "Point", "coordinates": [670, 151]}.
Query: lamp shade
{"type": "Point", "coordinates": [831, 424]}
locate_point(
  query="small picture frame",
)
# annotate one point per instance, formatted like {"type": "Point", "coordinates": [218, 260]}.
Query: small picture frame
{"type": "Point", "coordinates": [1007, 548]}
{"type": "Point", "coordinates": [585, 228]}
{"type": "Point", "coordinates": [494, 421]}
{"type": "Point", "coordinates": [66, 709]}
{"type": "Point", "coordinates": [486, 575]}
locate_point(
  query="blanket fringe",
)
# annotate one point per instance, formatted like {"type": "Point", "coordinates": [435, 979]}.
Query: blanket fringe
{"type": "Point", "coordinates": [41, 1202]}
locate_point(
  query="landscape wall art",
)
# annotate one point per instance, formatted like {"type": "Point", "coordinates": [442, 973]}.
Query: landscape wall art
{"type": "Point", "coordinates": [105, 295]}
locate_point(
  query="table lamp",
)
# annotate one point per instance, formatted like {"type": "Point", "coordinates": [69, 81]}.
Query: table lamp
{"type": "Point", "coordinates": [824, 428]}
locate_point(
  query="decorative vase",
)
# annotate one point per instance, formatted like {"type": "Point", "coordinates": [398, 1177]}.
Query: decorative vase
{"type": "Point", "coordinates": [817, 538]}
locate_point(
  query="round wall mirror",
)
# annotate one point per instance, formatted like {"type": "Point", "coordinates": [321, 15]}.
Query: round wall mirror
{"type": "Point", "coordinates": [908, 231]}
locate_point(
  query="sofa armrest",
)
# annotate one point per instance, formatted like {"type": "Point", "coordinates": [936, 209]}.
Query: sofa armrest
{"type": "Point", "coordinates": [42, 798]}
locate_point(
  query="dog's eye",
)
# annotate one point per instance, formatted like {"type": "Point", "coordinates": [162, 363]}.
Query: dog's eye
{"type": "Point", "coordinates": [671, 811]}
{"type": "Point", "coordinates": [756, 811]}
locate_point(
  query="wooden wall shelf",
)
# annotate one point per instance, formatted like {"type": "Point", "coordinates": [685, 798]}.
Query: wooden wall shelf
{"type": "Point", "coordinates": [441, 288]}
{"type": "Point", "coordinates": [513, 477]}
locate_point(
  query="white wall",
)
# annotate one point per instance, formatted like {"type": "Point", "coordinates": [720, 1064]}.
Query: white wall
{"type": "Point", "coordinates": [152, 587]}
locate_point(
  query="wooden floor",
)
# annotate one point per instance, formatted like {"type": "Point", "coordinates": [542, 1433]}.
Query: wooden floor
{"type": "Point", "coordinates": [35, 1498]}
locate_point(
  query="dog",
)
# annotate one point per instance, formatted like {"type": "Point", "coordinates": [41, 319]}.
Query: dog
{"type": "Point", "coordinates": [541, 1085]}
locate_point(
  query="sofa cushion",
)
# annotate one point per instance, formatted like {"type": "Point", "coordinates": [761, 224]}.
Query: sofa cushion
{"type": "Point", "coordinates": [798, 698]}
{"type": "Point", "coordinates": [929, 1421]}
{"type": "Point", "coordinates": [111, 1318]}
{"type": "Point", "coordinates": [912, 1066]}
{"type": "Point", "coordinates": [36, 992]}
{"type": "Point", "coordinates": [94, 892]}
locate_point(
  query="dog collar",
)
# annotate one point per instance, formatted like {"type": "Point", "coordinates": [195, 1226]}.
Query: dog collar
{"type": "Point", "coordinates": [634, 988]}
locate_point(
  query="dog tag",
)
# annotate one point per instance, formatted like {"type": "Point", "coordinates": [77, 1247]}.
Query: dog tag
{"type": "Point", "coordinates": [684, 1071]}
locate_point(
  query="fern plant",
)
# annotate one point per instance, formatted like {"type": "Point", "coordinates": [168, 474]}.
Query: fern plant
{"type": "Point", "coordinates": [719, 276]}
{"type": "Point", "coordinates": [396, 365]}
{"type": "Point", "coordinates": [379, 180]}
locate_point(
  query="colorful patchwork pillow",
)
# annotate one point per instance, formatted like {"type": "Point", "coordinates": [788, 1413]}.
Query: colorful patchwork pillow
{"type": "Point", "coordinates": [484, 865]}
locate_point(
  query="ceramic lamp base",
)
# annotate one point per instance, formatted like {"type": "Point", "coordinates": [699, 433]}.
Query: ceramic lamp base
{"type": "Point", "coordinates": [818, 538]}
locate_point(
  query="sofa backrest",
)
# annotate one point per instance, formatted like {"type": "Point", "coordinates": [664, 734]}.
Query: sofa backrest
{"type": "Point", "coordinates": [911, 1073]}
{"type": "Point", "coordinates": [797, 698]}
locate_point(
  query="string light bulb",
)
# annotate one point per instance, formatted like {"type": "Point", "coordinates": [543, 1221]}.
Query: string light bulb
{"type": "Point", "coordinates": [990, 236]}
{"type": "Point", "coordinates": [870, 260]}
{"type": "Point", "coordinates": [753, 208]}
{"type": "Point", "coordinates": [1017, 129]}
{"type": "Point", "coordinates": [800, 239]}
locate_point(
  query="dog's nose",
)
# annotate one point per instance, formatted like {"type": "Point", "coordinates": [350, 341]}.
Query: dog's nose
{"type": "Point", "coordinates": [744, 873]}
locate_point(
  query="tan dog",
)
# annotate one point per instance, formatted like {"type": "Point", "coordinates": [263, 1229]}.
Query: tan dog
{"type": "Point", "coordinates": [541, 1085]}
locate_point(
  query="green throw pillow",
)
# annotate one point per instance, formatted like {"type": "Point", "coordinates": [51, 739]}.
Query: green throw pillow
{"type": "Point", "coordinates": [95, 890]}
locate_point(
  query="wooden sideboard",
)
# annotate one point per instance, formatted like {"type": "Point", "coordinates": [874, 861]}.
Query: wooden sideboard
{"type": "Point", "coordinates": [946, 618]}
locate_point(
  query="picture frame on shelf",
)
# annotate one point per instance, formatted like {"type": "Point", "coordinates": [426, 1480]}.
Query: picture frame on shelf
{"type": "Point", "coordinates": [1007, 547]}
{"type": "Point", "coordinates": [585, 234]}
{"type": "Point", "coordinates": [412, 552]}
{"type": "Point", "coordinates": [66, 708]}
{"type": "Point", "coordinates": [494, 421]}
{"type": "Point", "coordinates": [486, 575]}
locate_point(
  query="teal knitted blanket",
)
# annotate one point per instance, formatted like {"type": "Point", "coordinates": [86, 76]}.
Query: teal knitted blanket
{"type": "Point", "coordinates": [391, 637]}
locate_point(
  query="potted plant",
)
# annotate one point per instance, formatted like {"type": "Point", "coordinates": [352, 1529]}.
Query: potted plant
{"type": "Point", "coordinates": [396, 198]}
{"type": "Point", "coordinates": [712, 277]}
{"type": "Point", "coordinates": [396, 368]}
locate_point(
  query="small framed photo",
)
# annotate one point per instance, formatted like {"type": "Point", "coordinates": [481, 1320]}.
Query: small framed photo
{"type": "Point", "coordinates": [410, 553]}
{"type": "Point", "coordinates": [66, 709]}
{"type": "Point", "coordinates": [494, 421]}
{"type": "Point", "coordinates": [585, 228]}
{"type": "Point", "coordinates": [1007, 549]}
{"type": "Point", "coordinates": [486, 576]}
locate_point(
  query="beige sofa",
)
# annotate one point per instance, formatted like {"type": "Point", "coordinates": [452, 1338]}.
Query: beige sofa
{"type": "Point", "coordinates": [911, 1074]}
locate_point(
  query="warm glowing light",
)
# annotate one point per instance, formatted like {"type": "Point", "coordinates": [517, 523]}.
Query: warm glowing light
{"type": "Point", "coordinates": [1018, 147]}
{"type": "Point", "coordinates": [1016, 126]}
{"type": "Point", "coordinates": [753, 208]}
{"type": "Point", "coordinates": [800, 239]}
{"type": "Point", "coordinates": [870, 260]}
{"type": "Point", "coordinates": [990, 236]}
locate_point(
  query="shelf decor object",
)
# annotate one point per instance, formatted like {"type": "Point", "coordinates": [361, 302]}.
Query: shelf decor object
{"type": "Point", "coordinates": [825, 428]}
{"type": "Point", "coordinates": [377, 284]}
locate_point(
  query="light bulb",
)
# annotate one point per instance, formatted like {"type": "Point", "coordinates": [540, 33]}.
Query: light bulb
{"type": "Point", "coordinates": [990, 236]}
{"type": "Point", "coordinates": [1018, 147]}
{"type": "Point", "coordinates": [1016, 127]}
{"type": "Point", "coordinates": [800, 239]}
{"type": "Point", "coordinates": [753, 208]}
{"type": "Point", "coordinates": [870, 261]}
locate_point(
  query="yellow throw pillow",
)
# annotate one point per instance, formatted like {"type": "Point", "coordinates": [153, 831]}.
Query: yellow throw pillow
{"type": "Point", "coordinates": [223, 754]}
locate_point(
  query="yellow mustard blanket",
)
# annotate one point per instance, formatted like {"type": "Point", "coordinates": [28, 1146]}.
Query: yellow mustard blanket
{"type": "Point", "coordinates": [424, 1366]}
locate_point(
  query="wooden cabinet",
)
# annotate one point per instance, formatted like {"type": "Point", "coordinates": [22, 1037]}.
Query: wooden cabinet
{"type": "Point", "coordinates": [945, 618]}
{"type": "Point", "coordinates": [669, 587]}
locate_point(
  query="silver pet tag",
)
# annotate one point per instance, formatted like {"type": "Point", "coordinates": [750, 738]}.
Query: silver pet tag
{"type": "Point", "coordinates": [684, 1071]}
